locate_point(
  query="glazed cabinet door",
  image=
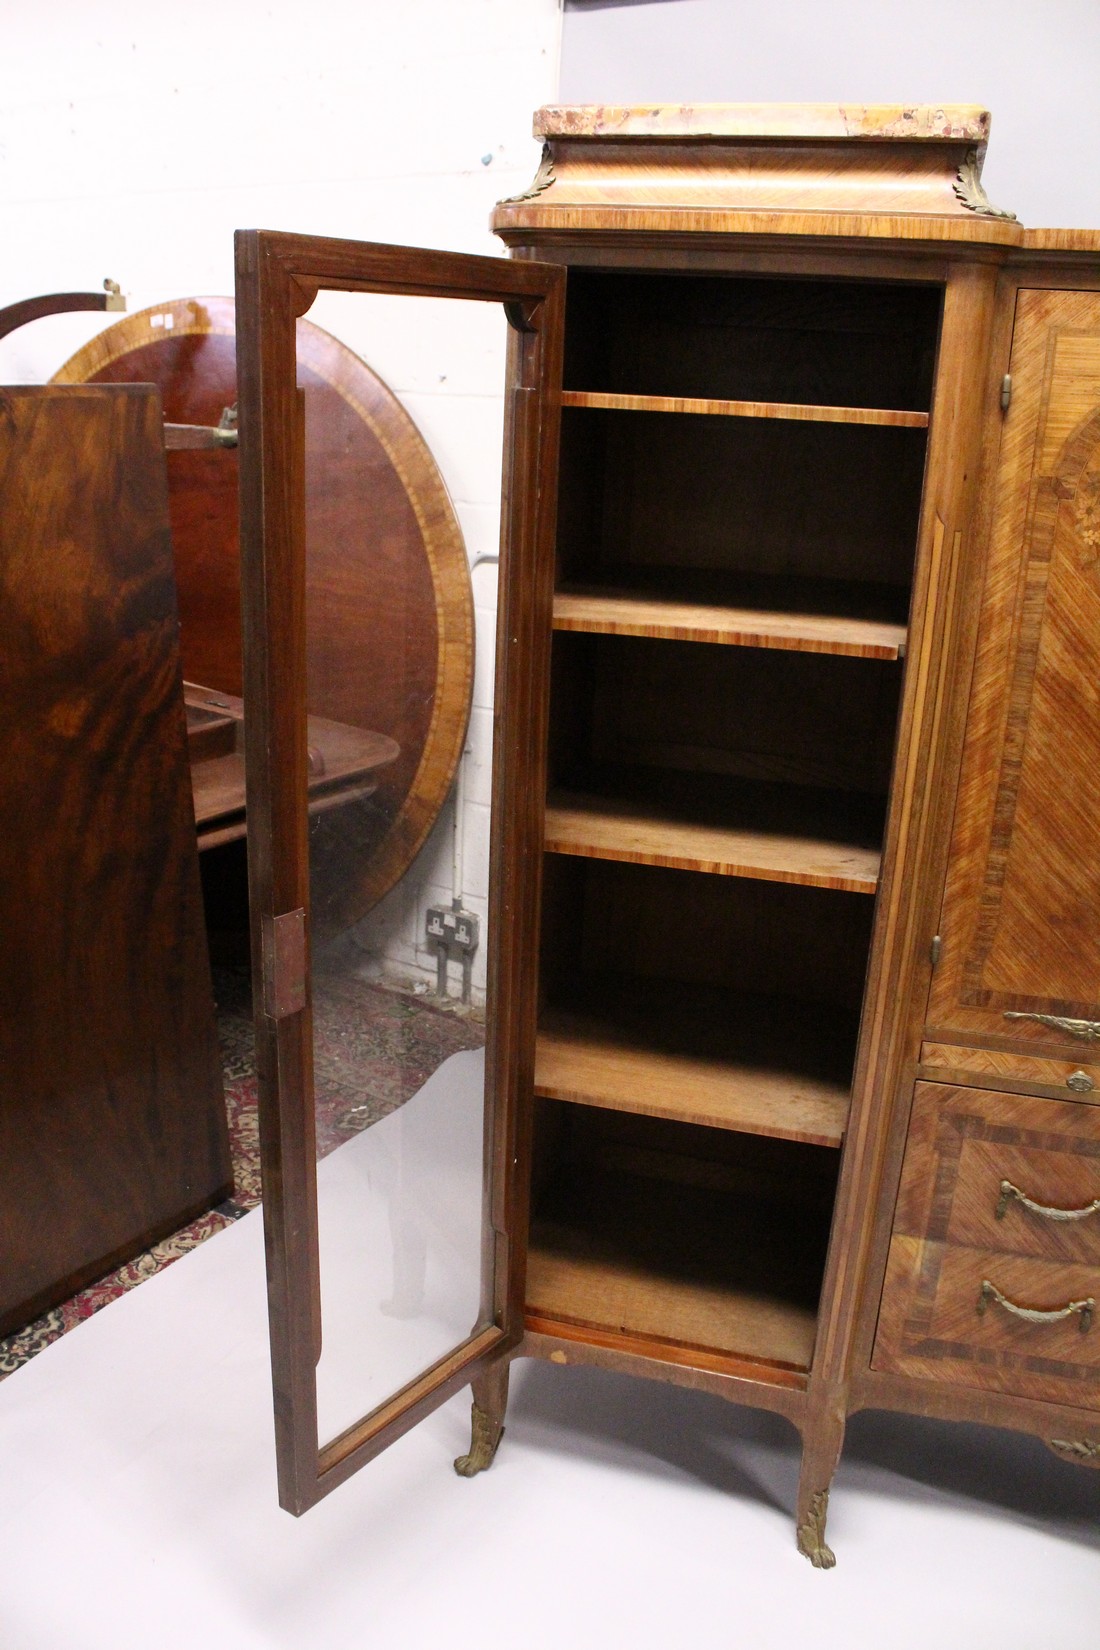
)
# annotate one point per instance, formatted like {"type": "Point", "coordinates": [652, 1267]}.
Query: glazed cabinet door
{"type": "Point", "coordinates": [394, 1154]}
{"type": "Point", "coordinates": [1019, 966]}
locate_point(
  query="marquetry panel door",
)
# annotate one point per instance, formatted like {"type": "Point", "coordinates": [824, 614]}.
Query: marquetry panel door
{"type": "Point", "coordinates": [1020, 939]}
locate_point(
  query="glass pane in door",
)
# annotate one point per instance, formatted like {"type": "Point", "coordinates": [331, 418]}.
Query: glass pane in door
{"type": "Point", "coordinates": [402, 483]}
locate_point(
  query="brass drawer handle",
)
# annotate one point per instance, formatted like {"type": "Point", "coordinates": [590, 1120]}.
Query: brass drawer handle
{"type": "Point", "coordinates": [989, 1292]}
{"type": "Point", "coordinates": [1078, 1449]}
{"type": "Point", "coordinates": [1009, 1191]}
{"type": "Point", "coordinates": [1088, 1030]}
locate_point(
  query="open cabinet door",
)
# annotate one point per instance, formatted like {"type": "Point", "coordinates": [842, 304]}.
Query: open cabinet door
{"type": "Point", "coordinates": [394, 1264]}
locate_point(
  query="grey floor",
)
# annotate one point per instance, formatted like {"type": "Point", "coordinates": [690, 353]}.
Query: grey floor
{"type": "Point", "coordinates": [139, 1511]}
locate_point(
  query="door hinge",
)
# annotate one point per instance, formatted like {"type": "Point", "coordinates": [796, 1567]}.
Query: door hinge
{"type": "Point", "coordinates": [1006, 391]}
{"type": "Point", "coordinates": [284, 960]}
{"type": "Point", "coordinates": [934, 949]}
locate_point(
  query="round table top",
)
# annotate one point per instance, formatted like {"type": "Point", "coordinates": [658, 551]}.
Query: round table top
{"type": "Point", "coordinates": [389, 605]}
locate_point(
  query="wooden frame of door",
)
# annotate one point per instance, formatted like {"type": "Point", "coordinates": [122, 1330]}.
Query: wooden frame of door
{"type": "Point", "coordinates": [278, 277]}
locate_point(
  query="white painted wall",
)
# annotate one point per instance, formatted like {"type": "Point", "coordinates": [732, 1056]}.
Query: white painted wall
{"type": "Point", "coordinates": [1034, 63]}
{"type": "Point", "coordinates": [135, 136]}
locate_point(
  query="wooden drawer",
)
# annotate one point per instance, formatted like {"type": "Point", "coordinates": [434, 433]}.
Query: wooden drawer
{"type": "Point", "coordinates": [995, 1250]}
{"type": "Point", "coordinates": [952, 1063]}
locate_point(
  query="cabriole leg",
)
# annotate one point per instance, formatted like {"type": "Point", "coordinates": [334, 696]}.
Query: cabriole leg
{"type": "Point", "coordinates": [820, 1453]}
{"type": "Point", "coordinates": [486, 1420]}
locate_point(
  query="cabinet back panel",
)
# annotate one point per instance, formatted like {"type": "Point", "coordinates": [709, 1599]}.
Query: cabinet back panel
{"type": "Point", "coordinates": [798, 717]}
{"type": "Point", "coordinates": [603, 918]}
{"type": "Point", "coordinates": [749, 495]}
{"type": "Point", "coordinates": [838, 343]}
{"type": "Point", "coordinates": [783, 1171]}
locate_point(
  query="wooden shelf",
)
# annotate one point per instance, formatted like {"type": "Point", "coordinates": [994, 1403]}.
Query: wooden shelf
{"type": "Point", "coordinates": [699, 1268]}
{"type": "Point", "coordinates": [756, 1065]}
{"type": "Point", "coordinates": [343, 763]}
{"type": "Point", "coordinates": [804, 616]}
{"type": "Point", "coordinates": [800, 411]}
{"type": "Point", "coordinates": [778, 833]}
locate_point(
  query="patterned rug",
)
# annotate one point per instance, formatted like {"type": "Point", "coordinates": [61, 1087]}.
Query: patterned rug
{"type": "Point", "coordinates": [374, 1047]}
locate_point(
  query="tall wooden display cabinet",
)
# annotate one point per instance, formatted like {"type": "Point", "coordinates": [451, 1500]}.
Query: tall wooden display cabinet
{"type": "Point", "coordinates": [792, 1088]}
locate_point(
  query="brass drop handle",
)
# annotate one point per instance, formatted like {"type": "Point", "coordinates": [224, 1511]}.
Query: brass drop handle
{"type": "Point", "coordinates": [1031, 1314]}
{"type": "Point", "coordinates": [1009, 1191]}
{"type": "Point", "coordinates": [1087, 1030]}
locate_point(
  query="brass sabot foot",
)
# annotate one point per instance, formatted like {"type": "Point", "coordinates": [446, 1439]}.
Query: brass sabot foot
{"type": "Point", "coordinates": [484, 1443]}
{"type": "Point", "coordinates": [811, 1534]}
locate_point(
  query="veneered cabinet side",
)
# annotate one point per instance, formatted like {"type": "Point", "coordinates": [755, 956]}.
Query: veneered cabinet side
{"type": "Point", "coordinates": [1020, 939]}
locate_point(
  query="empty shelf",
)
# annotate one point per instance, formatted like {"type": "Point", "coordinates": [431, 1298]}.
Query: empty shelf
{"type": "Point", "coordinates": [696, 1268]}
{"type": "Point", "coordinates": [757, 1065]}
{"type": "Point", "coordinates": [802, 411]}
{"type": "Point", "coordinates": [778, 833]}
{"type": "Point", "coordinates": [629, 613]}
